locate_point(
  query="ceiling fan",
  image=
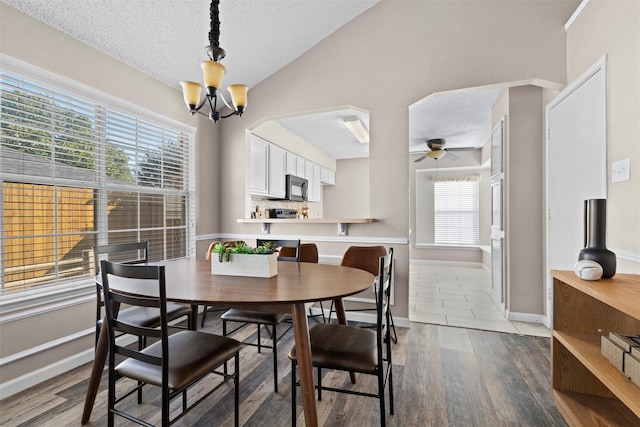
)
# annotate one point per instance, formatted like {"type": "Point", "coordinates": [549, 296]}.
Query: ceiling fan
{"type": "Point", "coordinates": [437, 150]}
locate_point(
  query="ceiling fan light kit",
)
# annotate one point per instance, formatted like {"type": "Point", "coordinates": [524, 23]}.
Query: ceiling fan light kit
{"type": "Point", "coordinates": [213, 72]}
{"type": "Point", "coordinates": [436, 154]}
{"type": "Point", "coordinates": [437, 150]}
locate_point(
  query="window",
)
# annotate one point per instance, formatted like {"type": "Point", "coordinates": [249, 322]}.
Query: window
{"type": "Point", "coordinates": [456, 210]}
{"type": "Point", "coordinates": [75, 172]}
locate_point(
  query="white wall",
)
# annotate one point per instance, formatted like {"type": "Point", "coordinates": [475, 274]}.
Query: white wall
{"type": "Point", "coordinates": [612, 28]}
{"type": "Point", "coordinates": [405, 51]}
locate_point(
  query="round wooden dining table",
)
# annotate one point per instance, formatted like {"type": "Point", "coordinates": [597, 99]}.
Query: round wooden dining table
{"type": "Point", "coordinates": [190, 281]}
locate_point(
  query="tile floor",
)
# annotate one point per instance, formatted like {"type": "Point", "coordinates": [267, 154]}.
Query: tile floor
{"type": "Point", "coordinates": [454, 295]}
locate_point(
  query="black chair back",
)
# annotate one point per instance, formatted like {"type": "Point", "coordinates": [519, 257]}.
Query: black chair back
{"type": "Point", "coordinates": [383, 295]}
{"type": "Point", "coordinates": [284, 244]}
{"type": "Point", "coordinates": [123, 253]}
{"type": "Point", "coordinates": [113, 299]}
{"type": "Point", "coordinates": [128, 253]}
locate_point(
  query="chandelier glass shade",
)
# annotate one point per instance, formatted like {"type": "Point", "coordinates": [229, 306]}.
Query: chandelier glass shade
{"type": "Point", "coordinates": [213, 73]}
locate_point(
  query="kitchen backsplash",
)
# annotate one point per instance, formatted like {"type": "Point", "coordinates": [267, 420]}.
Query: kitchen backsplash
{"type": "Point", "coordinates": [315, 209]}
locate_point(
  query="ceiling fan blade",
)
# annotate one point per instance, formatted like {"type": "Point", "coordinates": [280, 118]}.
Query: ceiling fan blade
{"type": "Point", "coordinates": [421, 158]}
{"type": "Point", "coordinates": [451, 155]}
{"type": "Point", "coordinates": [462, 149]}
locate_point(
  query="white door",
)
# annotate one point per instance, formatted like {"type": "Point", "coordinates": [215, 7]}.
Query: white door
{"type": "Point", "coordinates": [498, 250]}
{"type": "Point", "coordinates": [498, 279]}
{"type": "Point", "coordinates": [576, 166]}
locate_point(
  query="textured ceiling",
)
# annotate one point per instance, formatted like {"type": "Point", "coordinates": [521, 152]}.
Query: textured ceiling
{"type": "Point", "coordinates": [327, 130]}
{"type": "Point", "coordinates": [165, 39]}
{"type": "Point", "coordinates": [462, 118]}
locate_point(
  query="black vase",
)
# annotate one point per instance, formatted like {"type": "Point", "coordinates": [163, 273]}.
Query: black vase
{"type": "Point", "coordinates": [595, 237]}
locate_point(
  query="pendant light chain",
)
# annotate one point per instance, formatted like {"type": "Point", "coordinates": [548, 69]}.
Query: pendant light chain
{"type": "Point", "coordinates": [214, 33]}
{"type": "Point", "coordinates": [213, 72]}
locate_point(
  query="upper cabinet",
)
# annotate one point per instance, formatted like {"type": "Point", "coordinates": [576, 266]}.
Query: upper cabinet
{"type": "Point", "coordinates": [327, 176]}
{"type": "Point", "coordinates": [277, 171]}
{"type": "Point", "coordinates": [270, 164]}
{"type": "Point", "coordinates": [268, 169]}
{"type": "Point", "coordinates": [292, 164]}
{"type": "Point", "coordinates": [312, 174]}
{"type": "Point", "coordinates": [259, 167]}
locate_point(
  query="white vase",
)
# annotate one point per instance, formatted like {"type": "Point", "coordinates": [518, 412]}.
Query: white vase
{"type": "Point", "coordinates": [252, 265]}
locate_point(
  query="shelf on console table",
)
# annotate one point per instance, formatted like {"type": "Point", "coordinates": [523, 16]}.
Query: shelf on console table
{"type": "Point", "coordinates": [342, 222]}
{"type": "Point", "coordinates": [588, 390]}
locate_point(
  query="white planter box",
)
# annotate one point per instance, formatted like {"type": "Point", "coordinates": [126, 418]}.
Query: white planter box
{"type": "Point", "coordinates": [245, 265]}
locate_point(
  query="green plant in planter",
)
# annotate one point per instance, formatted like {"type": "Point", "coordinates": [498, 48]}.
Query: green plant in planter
{"type": "Point", "coordinates": [267, 248]}
{"type": "Point", "coordinates": [224, 250]}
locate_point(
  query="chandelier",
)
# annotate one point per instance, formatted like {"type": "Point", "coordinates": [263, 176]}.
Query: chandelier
{"type": "Point", "coordinates": [213, 72]}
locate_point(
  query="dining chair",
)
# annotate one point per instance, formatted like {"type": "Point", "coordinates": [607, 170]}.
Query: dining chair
{"type": "Point", "coordinates": [269, 320]}
{"type": "Point", "coordinates": [365, 258]}
{"type": "Point", "coordinates": [354, 349]}
{"type": "Point", "coordinates": [308, 253]}
{"type": "Point", "coordinates": [133, 253]}
{"type": "Point", "coordinates": [174, 362]}
{"type": "Point", "coordinates": [207, 309]}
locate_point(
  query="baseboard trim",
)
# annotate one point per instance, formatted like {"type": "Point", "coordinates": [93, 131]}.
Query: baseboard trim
{"type": "Point", "coordinates": [400, 322]}
{"type": "Point", "coordinates": [453, 263]}
{"type": "Point", "coordinates": [45, 373]}
{"type": "Point", "coordinates": [525, 317]}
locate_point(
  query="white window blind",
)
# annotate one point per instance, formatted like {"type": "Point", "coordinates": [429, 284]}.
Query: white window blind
{"type": "Point", "coordinates": [456, 211]}
{"type": "Point", "coordinates": [75, 172]}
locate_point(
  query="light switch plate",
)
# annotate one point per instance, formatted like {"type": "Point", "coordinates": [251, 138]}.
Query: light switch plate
{"type": "Point", "coordinates": [620, 170]}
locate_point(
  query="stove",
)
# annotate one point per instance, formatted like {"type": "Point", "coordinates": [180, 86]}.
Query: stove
{"type": "Point", "coordinates": [282, 213]}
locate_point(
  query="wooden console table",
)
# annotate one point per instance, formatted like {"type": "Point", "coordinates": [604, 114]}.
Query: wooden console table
{"type": "Point", "coordinates": [588, 390]}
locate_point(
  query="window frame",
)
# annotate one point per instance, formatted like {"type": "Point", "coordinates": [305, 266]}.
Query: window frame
{"type": "Point", "coordinates": [55, 291]}
{"type": "Point", "coordinates": [475, 213]}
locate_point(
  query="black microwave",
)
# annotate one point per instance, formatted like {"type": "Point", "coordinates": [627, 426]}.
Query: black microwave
{"type": "Point", "coordinates": [296, 188]}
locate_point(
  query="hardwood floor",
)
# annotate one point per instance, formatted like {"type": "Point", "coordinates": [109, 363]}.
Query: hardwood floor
{"type": "Point", "coordinates": [443, 376]}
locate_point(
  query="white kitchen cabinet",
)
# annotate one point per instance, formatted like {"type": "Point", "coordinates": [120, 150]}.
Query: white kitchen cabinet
{"type": "Point", "coordinates": [259, 167]}
{"type": "Point", "coordinates": [316, 184]}
{"type": "Point", "coordinates": [308, 174]}
{"type": "Point", "coordinates": [312, 174]}
{"type": "Point", "coordinates": [268, 165]}
{"type": "Point", "coordinates": [327, 176]}
{"type": "Point", "coordinates": [300, 167]}
{"type": "Point", "coordinates": [277, 171]}
{"type": "Point", "coordinates": [292, 162]}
